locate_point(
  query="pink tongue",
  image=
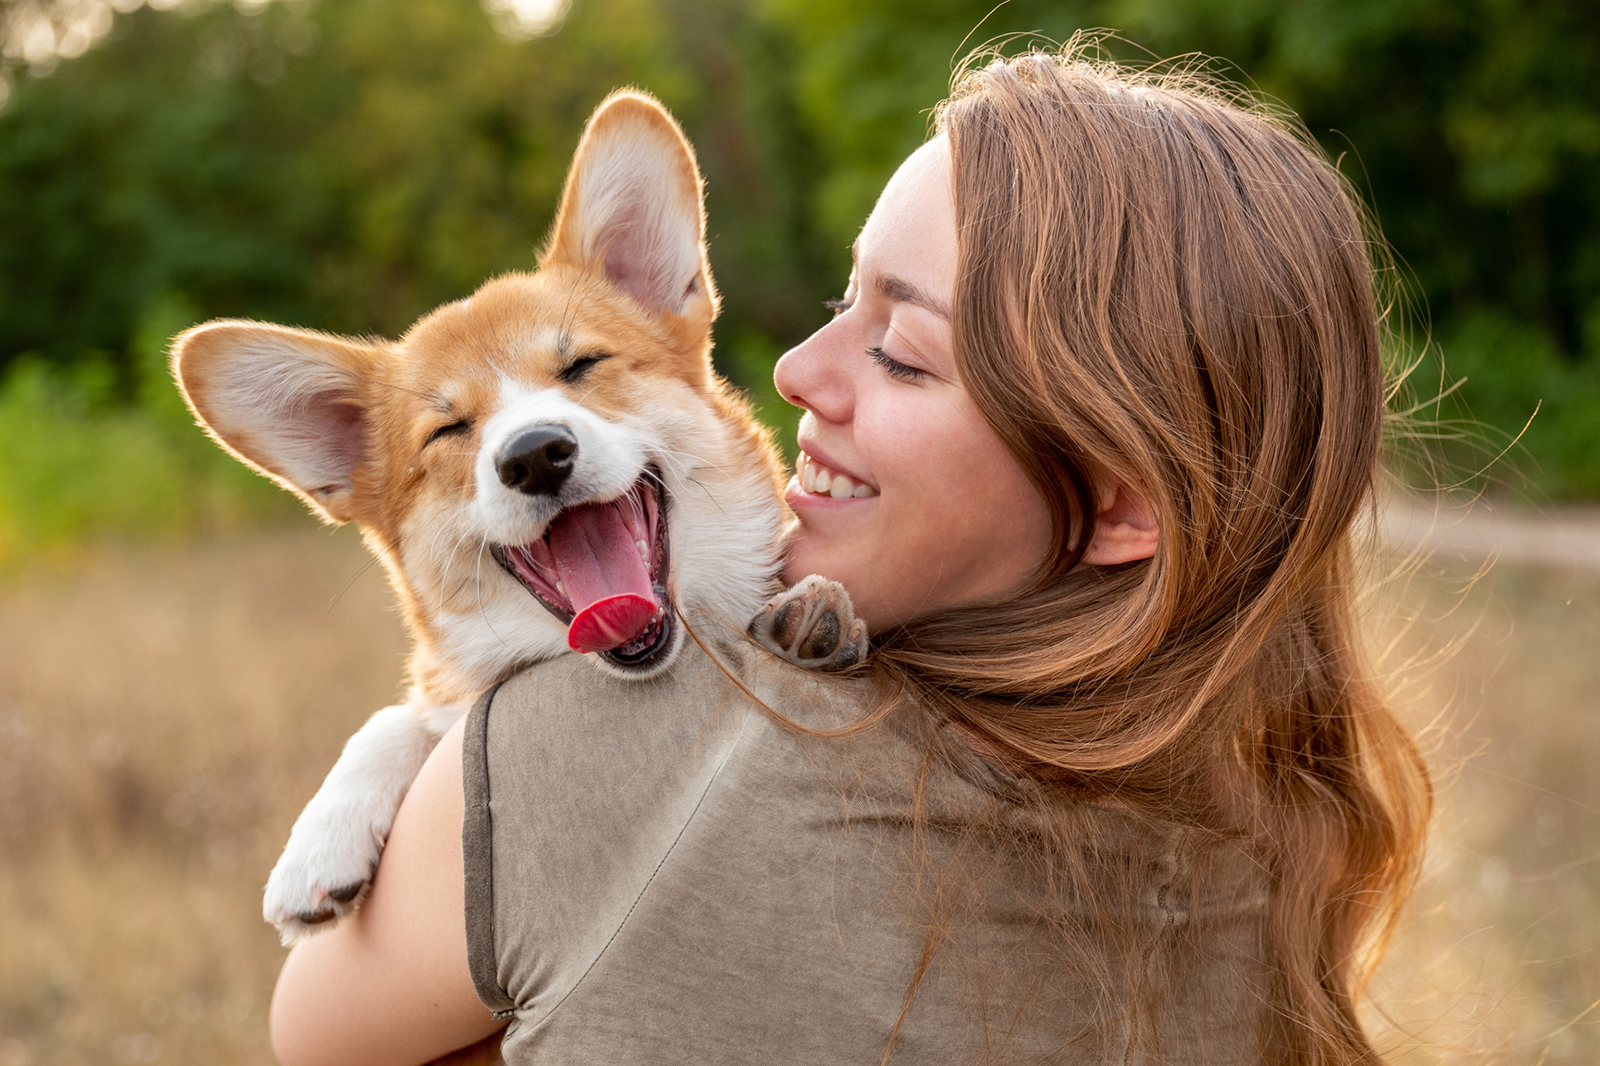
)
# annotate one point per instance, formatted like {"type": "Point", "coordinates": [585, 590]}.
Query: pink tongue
{"type": "Point", "coordinates": [604, 579]}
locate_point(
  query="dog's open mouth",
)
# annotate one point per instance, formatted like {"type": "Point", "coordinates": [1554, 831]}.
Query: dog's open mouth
{"type": "Point", "coordinates": [602, 569]}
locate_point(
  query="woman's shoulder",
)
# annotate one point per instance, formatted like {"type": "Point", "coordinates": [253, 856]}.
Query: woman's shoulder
{"type": "Point", "coordinates": [713, 669]}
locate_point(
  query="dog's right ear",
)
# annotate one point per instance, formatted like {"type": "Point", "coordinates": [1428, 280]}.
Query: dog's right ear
{"type": "Point", "coordinates": [288, 402]}
{"type": "Point", "coordinates": [632, 210]}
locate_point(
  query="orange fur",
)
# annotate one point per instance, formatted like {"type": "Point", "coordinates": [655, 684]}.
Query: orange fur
{"type": "Point", "coordinates": [451, 364]}
{"type": "Point", "coordinates": [429, 443]}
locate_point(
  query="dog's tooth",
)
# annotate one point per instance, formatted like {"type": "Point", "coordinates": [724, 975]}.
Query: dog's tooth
{"type": "Point", "coordinates": [863, 491]}
{"type": "Point", "coordinates": [561, 589]}
{"type": "Point", "coordinates": [841, 488]}
{"type": "Point", "coordinates": [644, 551]}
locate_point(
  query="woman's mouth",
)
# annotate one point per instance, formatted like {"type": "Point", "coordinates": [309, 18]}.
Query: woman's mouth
{"type": "Point", "coordinates": [819, 480]}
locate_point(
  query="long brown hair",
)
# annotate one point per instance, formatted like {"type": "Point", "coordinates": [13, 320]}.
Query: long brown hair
{"type": "Point", "coordinates": [1165, 285]}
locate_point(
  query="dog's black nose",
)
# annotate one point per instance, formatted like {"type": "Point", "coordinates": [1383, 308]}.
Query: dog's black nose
{"type": "Point", "coordinates": [539, 460]}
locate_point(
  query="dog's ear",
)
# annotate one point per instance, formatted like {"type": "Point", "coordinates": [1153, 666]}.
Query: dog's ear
{"type": "Point", "coordinates": [288, 402]}
{"type": "Point", "coordinates": [632, 209]}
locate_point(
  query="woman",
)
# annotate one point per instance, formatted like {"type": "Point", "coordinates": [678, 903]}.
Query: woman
{"type": "Point", "coordinates": [1118, 785]}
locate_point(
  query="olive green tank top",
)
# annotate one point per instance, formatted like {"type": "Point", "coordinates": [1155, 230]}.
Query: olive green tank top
{"type": "Point", "coordinates": [659, 873]}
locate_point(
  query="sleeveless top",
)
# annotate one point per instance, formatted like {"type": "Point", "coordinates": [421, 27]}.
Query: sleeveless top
{"type": "Point", "coordinates": [658, 873]}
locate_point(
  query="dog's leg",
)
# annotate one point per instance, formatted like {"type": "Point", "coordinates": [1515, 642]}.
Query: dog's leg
{"type": "Point", "coordinates": [813, 625]}
{"type": "Point", "coordinates": [333, 848]}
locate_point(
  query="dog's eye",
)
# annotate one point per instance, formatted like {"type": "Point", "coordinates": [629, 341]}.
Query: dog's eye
{"type": "Point", "coordinates": [453, 429]}
{"type": "Point", "coordinates": [574, 371]}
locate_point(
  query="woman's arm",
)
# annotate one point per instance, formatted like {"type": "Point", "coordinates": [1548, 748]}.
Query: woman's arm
{"type": "Point", "coordinates": [389, 985]}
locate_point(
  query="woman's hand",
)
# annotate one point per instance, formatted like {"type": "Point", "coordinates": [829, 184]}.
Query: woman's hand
{"type": "Point", "coordinates": [389, 986]}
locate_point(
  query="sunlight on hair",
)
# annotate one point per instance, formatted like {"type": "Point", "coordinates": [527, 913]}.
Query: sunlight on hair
{"type": "Point", "coordinates": [521, 20]}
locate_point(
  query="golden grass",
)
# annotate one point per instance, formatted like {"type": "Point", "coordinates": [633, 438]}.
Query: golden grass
{"type": "Point", "coordinates": [1499, 961]}
{"type": "Point", "coordinates": [165, 712]}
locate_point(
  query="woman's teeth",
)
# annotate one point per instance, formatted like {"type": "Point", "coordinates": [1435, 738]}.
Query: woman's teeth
{"type": "Point", "coordinates": [816, 478]}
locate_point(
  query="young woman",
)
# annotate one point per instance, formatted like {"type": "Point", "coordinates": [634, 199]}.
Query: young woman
{"type": "Point", "coordinates": [1119, 785]}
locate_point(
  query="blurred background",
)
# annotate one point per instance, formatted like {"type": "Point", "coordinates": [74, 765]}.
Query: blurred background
{"type": "Point", "coordinates": [183, 651]}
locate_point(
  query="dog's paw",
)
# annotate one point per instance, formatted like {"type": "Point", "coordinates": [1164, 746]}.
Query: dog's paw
{"type": "Point", "coordinates": [334, 846]}
{"type": "Point", "coordinates": [321, 877]}
{"type": "Point", "coordinates": [813, 625]}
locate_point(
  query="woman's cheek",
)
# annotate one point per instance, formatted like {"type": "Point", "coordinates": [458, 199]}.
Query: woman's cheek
{"type": "Point", "coordinates": [906, 443]}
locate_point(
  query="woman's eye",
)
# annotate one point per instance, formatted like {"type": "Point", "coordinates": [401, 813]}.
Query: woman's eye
{"type": "Point", "coordinates": [452, 430]}
{"type": "Point", "coordinates": [892, 366]}
{"type": "Point", "coordinates": [838, 307]}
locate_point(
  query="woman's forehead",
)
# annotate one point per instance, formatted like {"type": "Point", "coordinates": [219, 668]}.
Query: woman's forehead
{"type": "Point", "coordinates": [911, 233]}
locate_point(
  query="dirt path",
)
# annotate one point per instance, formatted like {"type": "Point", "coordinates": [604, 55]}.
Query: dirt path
{"type": "Point", "coordinates": [1566, 537]}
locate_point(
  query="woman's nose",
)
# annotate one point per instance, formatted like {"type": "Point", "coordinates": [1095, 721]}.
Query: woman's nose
{"type": "Point", "coordinates": [813, 375]}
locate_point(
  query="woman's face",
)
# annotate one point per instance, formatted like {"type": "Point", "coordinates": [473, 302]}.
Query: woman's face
{"type": "Point", "coordinates": [933, 511]}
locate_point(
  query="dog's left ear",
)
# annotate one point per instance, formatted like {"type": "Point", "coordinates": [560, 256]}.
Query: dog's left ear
{"type": "Point", "coordinates": [289, 402]}
{"type": "Point", "coordinates": [632, 209]}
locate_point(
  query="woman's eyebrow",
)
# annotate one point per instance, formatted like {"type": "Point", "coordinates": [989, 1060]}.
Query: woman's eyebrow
{"type": "Point", "coordinates": [899, 290]}
{"type": "Point", "coordinates": [902, 291]}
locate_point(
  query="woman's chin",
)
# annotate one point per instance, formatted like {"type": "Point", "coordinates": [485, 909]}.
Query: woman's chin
{"type": "Point", "coordinates": [804, 556]}
{"type": "Point", "coordinates": [800, 562]}
{"type": "Point", "coordinates": [837, 539]}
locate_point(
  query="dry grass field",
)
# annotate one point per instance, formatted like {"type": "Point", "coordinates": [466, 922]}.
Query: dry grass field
{"type": "Point", "coordinates": [165, 711]}
{"type": "Point", "coordinates": [1499, 961]}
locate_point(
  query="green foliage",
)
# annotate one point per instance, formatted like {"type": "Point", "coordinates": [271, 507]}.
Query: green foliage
{"type": "Point", "coordinates": [1544, 407]}
{"type": "Point", "coordinates": [349, 164]}
{"type": "Point", "coordinates": [405, 156]}
{"type": "Point", "coordinates": [79, 461]}
{"type": "Point", "coordinates": [749, 358]}
{"type": "Point", "coordinates": [1472, 127]}
{"type": "Point", "coordinates": [345, 166]}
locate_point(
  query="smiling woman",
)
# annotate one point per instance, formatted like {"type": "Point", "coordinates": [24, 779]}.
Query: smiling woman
{"type": "Point", "coordinates": [1086, 442]}
{"type": "Point", "coordinates": [901, 478]}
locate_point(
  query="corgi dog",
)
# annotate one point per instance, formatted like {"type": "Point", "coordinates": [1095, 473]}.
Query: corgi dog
{"type": "Point", "coordinates": [548, 466]}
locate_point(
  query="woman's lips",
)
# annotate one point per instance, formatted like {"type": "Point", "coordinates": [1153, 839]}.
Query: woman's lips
{"type": "Point", "coordinates": [817, 479]}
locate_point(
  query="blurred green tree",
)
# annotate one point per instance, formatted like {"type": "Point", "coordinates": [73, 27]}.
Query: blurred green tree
{"type": "Point", "coordinates": [348, 164]}
{"type": "Point", "coordinates": [1471, 128]}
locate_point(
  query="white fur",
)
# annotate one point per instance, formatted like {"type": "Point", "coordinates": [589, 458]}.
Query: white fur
{"type": "Point", "coordinates": [723, 525]}
{"type": "Point", "coordinates": [608, 461]}
{"type": "Point", "coordinates": [278, 392]}
{"type": "Point", "coordinates": [336, 840]}
{"type": "Point", "coordinates": [649, 242]}
{"type": "Point", "coordinates": [710, 508]}
{"type": "Point", "coordinates": [723, 520]}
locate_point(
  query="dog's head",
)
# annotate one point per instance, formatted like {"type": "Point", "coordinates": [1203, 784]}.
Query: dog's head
{"type": "Point", "coordinates": [549, 463]}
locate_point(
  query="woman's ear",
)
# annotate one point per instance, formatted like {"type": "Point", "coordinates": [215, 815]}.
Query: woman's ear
{"type": "Point", "coordinates": [1125, 529]}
